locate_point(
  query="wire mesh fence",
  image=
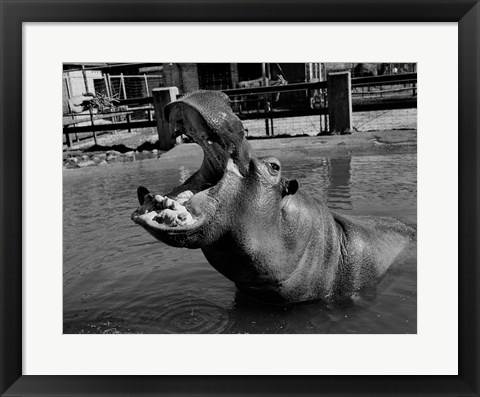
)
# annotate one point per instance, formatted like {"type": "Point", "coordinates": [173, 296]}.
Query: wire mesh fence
{"type": "Point", "coordinates": [112, 86]}
{"type": "Point", "coordinates": [307, 125]}
{"type": "Point", "coordinates": [393, 119]}
{"type": "Point", "coordinates": [128, 87]}
{"type": "Point", "coordinates": [380, 94]}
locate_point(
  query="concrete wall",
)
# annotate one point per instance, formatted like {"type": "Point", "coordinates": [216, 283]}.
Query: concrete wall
{"type": "Point", "coordinates": [234, 74]}
{"type": "Point", "coordinates": [340, 102]}
{"type": "Point", "coordinates": [76, 83]}
{"type": "Point", "coordinates": [73, 84]}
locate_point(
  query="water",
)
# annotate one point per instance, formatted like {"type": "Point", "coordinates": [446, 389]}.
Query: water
{"type": "Point", "coordinates": [118, 279]}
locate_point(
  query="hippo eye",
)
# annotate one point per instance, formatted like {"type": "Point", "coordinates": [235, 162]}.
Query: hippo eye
{"type": "Point", "coordinates": [274, 166]}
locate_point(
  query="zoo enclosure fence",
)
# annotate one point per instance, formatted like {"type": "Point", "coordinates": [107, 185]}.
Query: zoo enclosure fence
{"type": "Point", "coordinates": [115, 86]}
{"type": "Point", "coordinates": [378, 102]}
{"type": "Point", "coordinates": [384, 102]}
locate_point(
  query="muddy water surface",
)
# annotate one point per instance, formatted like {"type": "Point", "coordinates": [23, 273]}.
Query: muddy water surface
{"type": "Point", "coordinates": [118, 279]}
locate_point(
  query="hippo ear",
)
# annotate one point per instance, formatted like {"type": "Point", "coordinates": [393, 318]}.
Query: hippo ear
{"type": "Point", "coordinates": [290, 187]}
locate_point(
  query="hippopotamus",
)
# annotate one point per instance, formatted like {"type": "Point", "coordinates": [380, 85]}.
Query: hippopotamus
{"type": "Point", "coordinates": [258, 228]}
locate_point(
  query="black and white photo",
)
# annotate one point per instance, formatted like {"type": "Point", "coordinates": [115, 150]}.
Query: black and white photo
{"type": "Point", "coordinates": [241, 198]}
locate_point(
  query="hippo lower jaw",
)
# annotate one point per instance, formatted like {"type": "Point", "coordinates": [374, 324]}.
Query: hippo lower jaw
{"type": "Point", "coordinates": [172, 220]}
{"type": "Point", "coordinates": [165, 214]}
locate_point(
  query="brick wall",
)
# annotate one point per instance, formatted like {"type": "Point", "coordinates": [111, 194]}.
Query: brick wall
{"type": "Point", "coordinates": [184, 76]}
{"type": "Point", "coordinates": [190, 77]}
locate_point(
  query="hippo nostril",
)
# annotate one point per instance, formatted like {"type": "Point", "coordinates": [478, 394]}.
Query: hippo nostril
{"type": "Point", "coordinates": [141, 193]}
{"type": "Point", "coordinates": [290, 187]}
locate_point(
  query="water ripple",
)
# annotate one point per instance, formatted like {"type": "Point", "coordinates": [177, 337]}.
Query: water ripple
{"type": "Point", "coordinates": [116, 277]}
{"type": "Point", "coordinates": [181, 314]}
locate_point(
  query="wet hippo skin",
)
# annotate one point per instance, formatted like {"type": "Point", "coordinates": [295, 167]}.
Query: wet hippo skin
{"type": "Point", "coordinates": [258, 228]}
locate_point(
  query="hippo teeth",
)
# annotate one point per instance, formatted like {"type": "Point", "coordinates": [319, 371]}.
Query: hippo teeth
{"type": "Point", "coordinates": [172, 212]}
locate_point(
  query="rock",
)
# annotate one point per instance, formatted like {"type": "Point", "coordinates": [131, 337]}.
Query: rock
{"type": "Point", "coordinates": [102, 163]}
{"type": "Point", "coordinates": [102, 156]}
{"type": "Point", "coordinates": [74, 153]}
{"type": "Point", "coordinates": [72, 163]}
{"type": "Point", "coordinates": [145, 155]}
{"type": "Point", "coordinates": [129, 156]}
{"type": "Point", "coordinates": [111, 158]}
{"type": "Point", "coordinates": [87, 163]}
{"type": "Point", "coordinates": [113, 153]}
{"type": "Point", "coordinates": [155, 151]}
{"type": "Point", "coordinates": [96, 159]}
{"type": "Point", "coordinates": [85, 157]}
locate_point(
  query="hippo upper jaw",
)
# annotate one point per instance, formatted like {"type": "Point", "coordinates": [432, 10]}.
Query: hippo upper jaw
{"type": "Point", "coordinates": [185, 217]}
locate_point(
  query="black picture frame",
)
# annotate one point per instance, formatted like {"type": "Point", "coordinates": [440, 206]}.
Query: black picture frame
{"type": "Point", "coordinates": [14, 13]}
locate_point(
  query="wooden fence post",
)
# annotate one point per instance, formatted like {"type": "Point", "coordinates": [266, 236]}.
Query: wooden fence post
{"type": "Point", "coordinates": [146, 83]}
{"type": "Point", "coordinates": [264, 98]}
{"type": "Point", "coordinates": [162, 97]}
{"type": "Point", "coordinates": [122, 82]}
{"type": "Point", "coordinates": [340, 102]}
{"type": "Point", "coordinates": [107, 88]}
{"type": "Point", "coordinates": [109, 81]}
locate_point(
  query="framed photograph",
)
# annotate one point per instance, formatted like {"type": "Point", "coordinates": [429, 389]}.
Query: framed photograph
{"type": "Point", "coordinates": [259, 197]}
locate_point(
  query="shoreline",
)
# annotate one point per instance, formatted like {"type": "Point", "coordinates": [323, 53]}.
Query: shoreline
{"type": "Point", "coordinates": [381, 142]}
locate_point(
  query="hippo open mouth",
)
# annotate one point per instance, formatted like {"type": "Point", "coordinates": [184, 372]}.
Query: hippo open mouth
{"type": "Point", "coordinates": [184, 207]}
{"type": "Point", "coordinates": [190, 206]}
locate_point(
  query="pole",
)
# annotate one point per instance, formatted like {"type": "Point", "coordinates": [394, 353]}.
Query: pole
{"type": "Point", "coordinates": [265, 104]}
{"type": "Point", "coordinates": [109, 81]}
{"type": "Point", "coordinates": [107, 88]}
{"type": "Point", "coordinates": [162, 97]}
{"type": "Point", "coordinates": [67, 136]}
{"type": "Point", "coordinates": [70, 110]}
{"type": "Point", "coordinates": [89, 108]}
{"type": "Point", "coordinates": [67, 89]}
{"type": "Point", "coordinates": [264, 74]}
{"type": "Point", "coordinates": [111, 94]}
{"type": "Point", "coordinates": [122, 81]}
{"type": "Point", "coordinates": [340, 102]}
{"type": "Point", "coordinates": [146, 83]}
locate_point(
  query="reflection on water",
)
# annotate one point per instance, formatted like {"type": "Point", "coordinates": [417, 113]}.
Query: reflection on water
{"type": "Point", "coordinates": [119, 279]}
{"type": "Point", "coordinates": [338, 190]}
